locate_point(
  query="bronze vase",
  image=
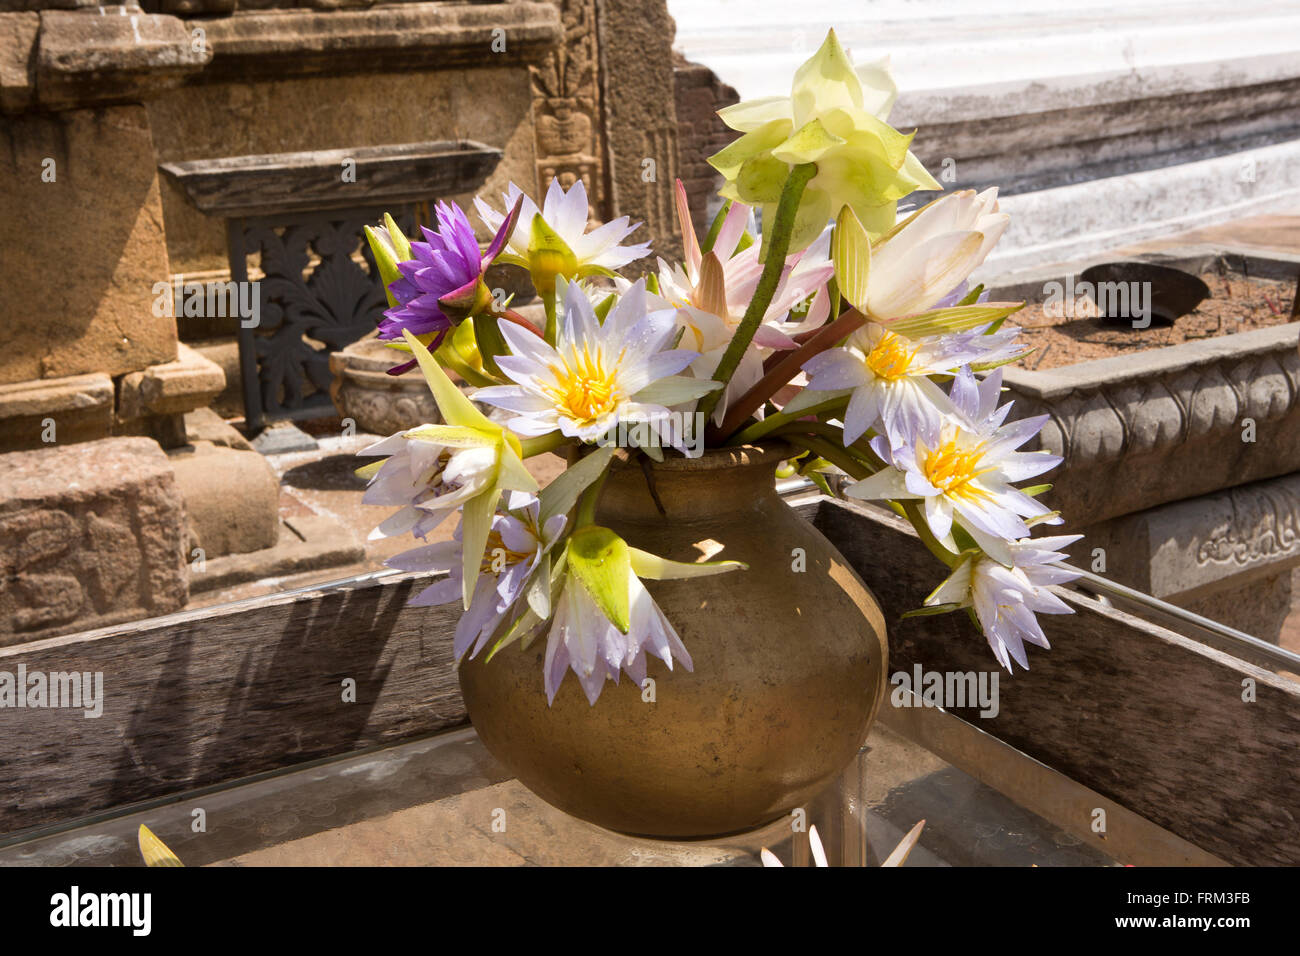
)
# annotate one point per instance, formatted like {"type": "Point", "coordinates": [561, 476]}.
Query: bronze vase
{"type": "Point", "coordinates": [789, 655]}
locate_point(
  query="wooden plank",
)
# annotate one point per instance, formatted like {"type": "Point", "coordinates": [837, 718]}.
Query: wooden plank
{"type": "Point", "coordinates": [202, 697]}
{"type": "Point", "coordinates": [1144, 716]}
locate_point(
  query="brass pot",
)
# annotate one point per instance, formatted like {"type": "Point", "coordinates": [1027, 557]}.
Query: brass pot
{"type": "Point", "coordinates": [789, 671]}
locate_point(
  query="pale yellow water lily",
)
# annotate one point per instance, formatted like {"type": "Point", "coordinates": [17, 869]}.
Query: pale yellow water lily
{"type": "Point", "coordinates": [932, 253]}
{"type": "Point", "coordinates": [834, 117]}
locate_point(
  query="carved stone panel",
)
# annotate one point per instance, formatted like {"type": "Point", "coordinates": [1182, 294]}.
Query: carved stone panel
{"type": "Point", "coordinates": [90, 534]}
{"type": "Point", "coordinates": [567, 116]}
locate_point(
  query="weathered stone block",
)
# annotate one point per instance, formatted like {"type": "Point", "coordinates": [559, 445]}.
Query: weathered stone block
{"type": "Point", "coordinates": [232, 499]}
{"type": "Point", "coordinates": [116, 54]}
{"type": "Point", "coordinates": [491, 105]}
{"type": "Point", "coordinates": [83, 245]}
{"type": "Point", "coordinates": [90, 535]}
{"type": "Point", "coordinates": [1142, 430]}
{"type": "Point", "coordinates": [640, 116]}
{"type": "Point", "coordinates": [55, 411]}
{"type": "Point", "coordinates": [190, 382]}
{"type": "Point", "coordinates": [18, 33]}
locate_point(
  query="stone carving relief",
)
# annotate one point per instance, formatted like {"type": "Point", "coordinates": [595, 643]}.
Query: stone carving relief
{"type": "Point", "coordinates": [1265, 526]}
{"type": "Point", "coordinates": [566, 109]}
{"type": "Point", "coordinates": [60, 566]}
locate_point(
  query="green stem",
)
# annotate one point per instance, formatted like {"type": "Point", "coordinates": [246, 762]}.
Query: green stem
{"type": "Point", "coordinates": [916, 517]}
{"type": "Point", "coordinates": [770, 424]}
{"type": "Point", "coordinates": [543, 443]}
{"type": "Point", "coordinates": [778, 238]}
{"type": "Point", "coordinates": [837, 455]}
{"type": "Point", "coordinates": [548, 303]}
{"type": "Point", "coordinates": [587, 503]}
{"type": "Point", "coordinates": [490, 341]}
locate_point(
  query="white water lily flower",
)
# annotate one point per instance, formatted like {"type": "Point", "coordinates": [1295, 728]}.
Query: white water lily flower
{"type": "Point", "coordinates": [966, 475]}
{"type": "Point", "coordinates": [888, 378]}
{"type": "Point", "coordinates": [596, 376]}
{"type": "Point", "coordinates": [1005, 599]}
{"type": "Point", "coordinates": [598, 251]}
{"type": "Point", "coordinates": [583, 640]}
{"type": "Point", "coordinates": [516, 546]}
{"type": "Point", "coordinates": [425, 480]}
{"type": "Point", "coordinates": [465, 463]}
{"type": "Point", "coordinates": [914, 268]}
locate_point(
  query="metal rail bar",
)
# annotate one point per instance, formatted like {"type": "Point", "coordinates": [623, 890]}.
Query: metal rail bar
{"type": "Point", "coordinates": [1227, 639]}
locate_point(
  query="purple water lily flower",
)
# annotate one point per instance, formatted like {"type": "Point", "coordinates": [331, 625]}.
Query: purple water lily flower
{"type": "Point", "coordinates": [443, 284]}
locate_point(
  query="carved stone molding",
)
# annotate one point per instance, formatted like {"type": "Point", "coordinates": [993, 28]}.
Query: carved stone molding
{"type": "Point", "coordinates": [1228, 555]}
{"type": "Point", "coordinates": [1161, 426]}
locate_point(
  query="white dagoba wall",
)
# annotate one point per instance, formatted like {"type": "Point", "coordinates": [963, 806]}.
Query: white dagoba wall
{"type": "Point", "coordinates": [1103, 123]}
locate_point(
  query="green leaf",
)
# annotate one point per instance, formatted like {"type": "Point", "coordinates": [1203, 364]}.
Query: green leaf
{"type": "Point", "coordinates": [990, 366]}
{"type": "Point", "coordinates": [808, 145]}
{"type": "Point", "coordinates": [456, 409]}
{"type": "Point", "coordinates": [851, 254]}
{"type": "Point", "coordinates": [459, 352]}
{"type": "Point", "coordinates": [973, 296]}
{"type": "Point", "coordinates": [389, 247]}
{"type": "Point", "coordinates": [560, 496]}
{"type": "Point", "coordinates": [933, 609]}
{"type": "Point", "coordinates": [959, 318]}
{"type": "Point", "coordinates": [513, 475]}
{"type": "Point", "coordinates": [601, 562]}
{"type": "Point", "coordinates": [539, 589]}
{"type": "Point", "coordinates": [401, 245]}
{"type": "Point", "coordinates": [453, 436]}
{"type": "Point", "coordinates": [655, 568]}
{"type": "Point", "coordinates": [675, 390]}
{"type": "Point", "coordinates": [715, 228]}
{"type": "Point", "coordinates": [761, 180]}
{"type": "Point", "coordinates": [822, 484]}
{"type": "Point", "coordinates": [603, 307]}
{"type": "Point", "coordinates": [1035, 490]}
{"type": "Point", "coordinates": [475, 526]}
{"type": "Point", "coordinates": [490, 341]}
{"type": "Point", "coordinates": [512, 631]}
{"type": "Point", "coordinates": [964, 540]}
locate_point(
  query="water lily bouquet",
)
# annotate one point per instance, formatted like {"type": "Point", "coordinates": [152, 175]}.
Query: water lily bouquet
{"type": "Point", "coordinates": [844, 327]}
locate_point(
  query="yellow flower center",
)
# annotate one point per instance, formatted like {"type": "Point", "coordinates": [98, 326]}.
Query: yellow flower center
{"type": "Point", "coordinates": [953, 469]}
{"type": "Point", "coordinates": [890, 358]}
{"type": "Point", "coordinates": [497, 557]}
{"type": "Point", "coordinates": [584, 388]}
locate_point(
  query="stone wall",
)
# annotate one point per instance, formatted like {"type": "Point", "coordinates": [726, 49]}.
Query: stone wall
{"type": "Point", "coordinates": [490, 105]}
{"type": "Point", "coordinates": [699, 95]}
